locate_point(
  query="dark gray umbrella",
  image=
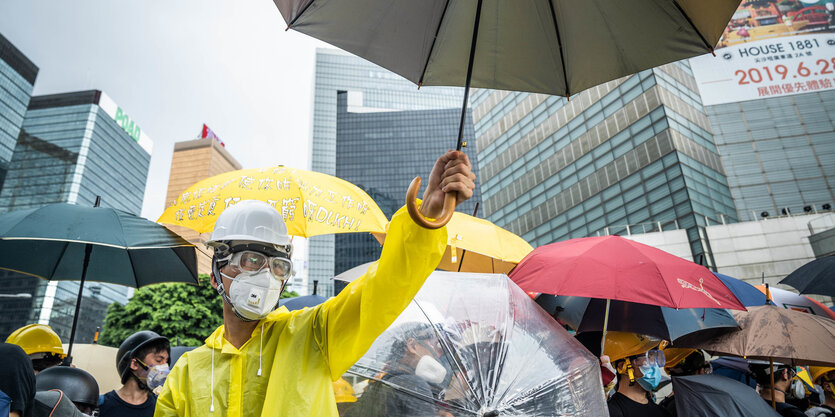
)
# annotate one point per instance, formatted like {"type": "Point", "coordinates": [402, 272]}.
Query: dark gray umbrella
{"type": "Point", "coordinates": [586, 314]}
{"type": "Point", "coordinates": [714, 395]}
{"type": "Point", "coordinates": [71, 242]}
{"type": "Point", "coordinates": [542, 46]}
{"type": "Point", "coordinates": [298, 303]}
{"type": "Point", "coordinates": [816, 277]}
{"type": "Point", "coordinates": [554, 47]}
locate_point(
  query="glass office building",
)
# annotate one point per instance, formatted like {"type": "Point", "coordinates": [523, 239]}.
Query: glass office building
{"type": "Point", "coordinates": [72, 148]}
{"type": "Point", "coordinates": [629, 156]}
{"type": "Point", "coordinates": [17, 79]}
{"type": "Point", "coordinates": [778, 153]}
{"type": "Point", "coordinates": [375, 89]}
{"type": "Point", "coordinates": [381, 152]}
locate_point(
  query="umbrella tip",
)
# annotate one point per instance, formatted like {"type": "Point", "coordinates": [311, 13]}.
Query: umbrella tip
{"type": "Point", "coordinates": [712, 52]}
{"type": "Point", "coordinates": [288, 28]}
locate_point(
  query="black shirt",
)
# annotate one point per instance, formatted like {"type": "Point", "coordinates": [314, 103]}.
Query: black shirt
{"type": "Point", "coordinates": [622, 406]}
{"type": "Point", "coordinates": [17, 378]}
{"type": "Point", "coordinates": [114, 406]}
{"type": "Point", "coordinates": [788, 410]}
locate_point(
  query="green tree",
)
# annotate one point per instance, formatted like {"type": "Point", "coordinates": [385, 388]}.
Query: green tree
{"type": "Point", "coordinates": [186, 314]}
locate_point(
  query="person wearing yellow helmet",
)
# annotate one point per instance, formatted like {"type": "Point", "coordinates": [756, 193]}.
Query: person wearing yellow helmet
{"type": "Point", "coordinates": [824, 377]}
{"type": "Point", "coordinates": [683, 362]}
{"type": "Point", "coordinates": [41, 343]}
{"type": "Point", "coordinates": [266, 360]}
{"type": "Point", "coordinates": [638, 363]}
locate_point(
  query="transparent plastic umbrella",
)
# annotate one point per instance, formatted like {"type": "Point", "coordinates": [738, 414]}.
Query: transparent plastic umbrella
{"type": "Point", "coordinates": [476, 345]}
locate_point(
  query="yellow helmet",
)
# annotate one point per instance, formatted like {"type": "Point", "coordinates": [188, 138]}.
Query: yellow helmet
{"type": "Point", "coordinates": [675, 356]}
{"type": "Point", "coordinates": [621, 345]}
{"type": "Point", "coordinates": [818, 371]}
{"type": "Point", "coordinates": [343, 391]}
{"type": "Point", "coordinates": [37, 338]}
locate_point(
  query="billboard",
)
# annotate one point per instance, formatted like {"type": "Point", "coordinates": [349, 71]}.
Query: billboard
{"type": "Point", "coordinates": [770, 48]}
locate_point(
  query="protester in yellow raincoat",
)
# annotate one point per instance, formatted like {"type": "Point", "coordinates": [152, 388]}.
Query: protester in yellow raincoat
{"type": "Point", "coordinates": [284, 364]}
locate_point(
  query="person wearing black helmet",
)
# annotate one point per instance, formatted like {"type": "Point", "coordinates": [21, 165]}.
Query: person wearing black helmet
{"type": "Point", "coordinates": [776, 392]}
{"type": "Point", "coordinates": [76, 384]}
{"type": "Point", "coordinates": [143, 362]}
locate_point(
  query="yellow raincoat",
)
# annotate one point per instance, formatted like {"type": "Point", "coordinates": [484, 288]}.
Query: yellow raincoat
{"type": "Point", "coordinates": [301, 353]}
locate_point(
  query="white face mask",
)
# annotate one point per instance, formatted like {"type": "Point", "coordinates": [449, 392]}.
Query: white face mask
{"type": "Point", "coordinates": [430, 370]}
{"type": "Point", "coordinates": [156, 376]}
{"type": "Point", "coordinates": [797, 390]}
{"type": "Point", "coordinates": [254, 295]}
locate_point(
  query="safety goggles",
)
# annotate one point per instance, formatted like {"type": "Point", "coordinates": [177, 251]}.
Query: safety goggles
{"type": "Point", "coordinates": [252, 261]}
{"type": "Point", "coordinates": [652, 357]}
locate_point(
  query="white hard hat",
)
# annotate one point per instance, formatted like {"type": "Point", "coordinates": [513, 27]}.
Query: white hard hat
{"type": "Point", "coordinates": [252, 221]}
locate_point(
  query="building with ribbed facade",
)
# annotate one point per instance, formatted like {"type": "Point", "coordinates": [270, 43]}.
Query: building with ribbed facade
{"type": "Point", "coordinates": [632, 155]}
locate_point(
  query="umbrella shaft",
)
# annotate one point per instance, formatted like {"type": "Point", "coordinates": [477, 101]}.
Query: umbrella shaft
{"type": "Point", "coordinates": [87, 249]}
{"type": "Point", "coordinates": [469, 77]}
{"type": "Point", "coordinates": [605, 326]}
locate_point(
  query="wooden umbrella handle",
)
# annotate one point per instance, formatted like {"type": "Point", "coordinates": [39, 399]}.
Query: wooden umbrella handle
{"type": "Point", "coordinates": [411, 205]}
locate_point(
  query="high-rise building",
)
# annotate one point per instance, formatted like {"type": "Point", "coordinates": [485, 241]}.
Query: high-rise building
{"type": "Point", "coordinates": [769, 92]}
{"type": "Point", "coordinates": [381, 152]}
{"type": "Point", "coordinates": [373, 88]}
{"type": "Point", "coordinates": [778, 153]}
{"type": "Point", "coordinates": [634, 154]}
{"type": "Point", "coordinates": [72, 148]}
{"type": "Point", "coordinates": [193, 161]}
{"type": "Point", "coordinates": [17, 79]}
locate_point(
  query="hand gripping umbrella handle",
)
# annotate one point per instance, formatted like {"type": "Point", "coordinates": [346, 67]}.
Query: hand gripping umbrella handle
{"type": "Point", "coordinates": [411, 205]}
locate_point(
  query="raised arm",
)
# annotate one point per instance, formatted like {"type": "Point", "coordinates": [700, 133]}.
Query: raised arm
{"type": "Point", "coordinates": [351, 321]}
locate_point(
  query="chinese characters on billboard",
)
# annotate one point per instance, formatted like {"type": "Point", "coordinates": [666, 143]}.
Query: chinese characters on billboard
{"type": "Point", "coordinates": [771, 48]}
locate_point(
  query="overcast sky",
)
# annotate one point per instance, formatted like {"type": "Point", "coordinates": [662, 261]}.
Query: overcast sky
{"type": "Point", "coordinates": [173, 65]}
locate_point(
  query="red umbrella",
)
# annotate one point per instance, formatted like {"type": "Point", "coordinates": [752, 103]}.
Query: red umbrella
{"type": "Point", "coordinates": [615, 268]}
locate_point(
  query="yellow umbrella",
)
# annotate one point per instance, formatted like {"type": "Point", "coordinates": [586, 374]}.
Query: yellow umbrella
{"type": "Point", "coordinates": [312, 203]}
{"type": "Point", "coordinates": [489, 248]}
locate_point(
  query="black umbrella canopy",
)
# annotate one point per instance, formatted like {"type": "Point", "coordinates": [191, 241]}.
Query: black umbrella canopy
{"type": "Point", "coordinates": [50, 242]}
{"type": "Point", "coordinates": [545, 46]}
{"type": "Point", "coordinates": [298, 303]}
{"type": "Point", "coordinates": [816, 277]}
{"type": "Point", "coordinates": [586, 314]}
{"type": "Point", "coordinates": [714, 395]}
{"type": "Point", "coordinates": [70, 242]}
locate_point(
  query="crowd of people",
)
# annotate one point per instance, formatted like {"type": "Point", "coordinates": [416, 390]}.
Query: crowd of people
{"type": "Point", "coordinates": [264, 361]}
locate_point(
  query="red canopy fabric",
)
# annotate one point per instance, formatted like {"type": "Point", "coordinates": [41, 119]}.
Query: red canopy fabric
{"type": "Point", "coordinates": [611, 267]}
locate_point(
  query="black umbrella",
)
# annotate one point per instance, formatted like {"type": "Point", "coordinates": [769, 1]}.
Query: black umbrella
{"type": "Point", "coordinates": [714, 395]}
{"type": "Point", "coordinates": [298, 303]}
{"type": "Point", "coordinates": [178, 351]}
{"type": "Point", "coordinates": [586, 314]}
{"type": "Point", "coordinates": [545, 46]}
{"type": "Point", "coordinates": [70, 242]}
{"type": "Point", "coordinates": [816, 277]}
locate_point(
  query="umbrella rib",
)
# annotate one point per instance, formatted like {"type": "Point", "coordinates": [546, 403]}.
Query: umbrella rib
{"type": "Point", "coordinates": [434, 39]}
{"type": "Point", "coordinates": [93, 243]}
{"type": "Point", "coordinates": [293, 22]}
{"type": "Point", "coordinates": [559, 43]}
{"type": "Point", "coordinates": [58, 261]}
{"type": "Point", "coordinates": [695, 29]}
{"type": "Point", "coordinates": [133, 268]}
